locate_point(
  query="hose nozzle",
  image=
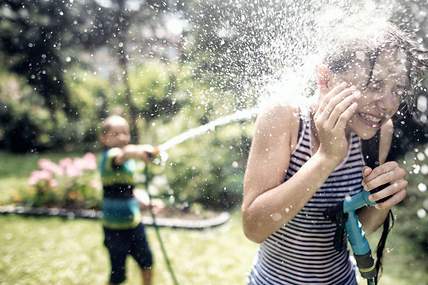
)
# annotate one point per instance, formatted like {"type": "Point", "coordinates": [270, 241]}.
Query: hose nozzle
{"type": "Point", "coordinates": [366, 265]}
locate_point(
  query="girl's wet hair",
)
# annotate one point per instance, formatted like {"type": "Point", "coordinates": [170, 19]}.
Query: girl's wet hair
{"type": "Point", "coordinates": [369, 43]}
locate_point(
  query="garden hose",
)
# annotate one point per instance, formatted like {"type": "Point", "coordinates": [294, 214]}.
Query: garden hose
{"type": "Point", "coordinates": [155, 225]}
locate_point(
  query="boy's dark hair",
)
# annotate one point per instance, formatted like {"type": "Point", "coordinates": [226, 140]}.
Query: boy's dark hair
{"type": "Point", "coordinates": [368, 43]}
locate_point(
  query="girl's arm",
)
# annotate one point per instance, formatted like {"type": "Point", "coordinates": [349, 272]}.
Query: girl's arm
{"type": "Point", "coordinates": [372, 218]}
{"type": "Point", "coordinates": [269, 202]}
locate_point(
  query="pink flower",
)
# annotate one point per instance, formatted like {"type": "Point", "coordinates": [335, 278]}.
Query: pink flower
{"type": "Point", "coordinates": [53, 183]}
{"type": "Point", "coordinates": [48, 165]}
{"type": "Point", "coordinates": [73, 171]}
{"type": "Point", "coordinates": [66, 162]}
{"type": "Point", "coordinates": [87, 162]}
{"type": "Point", "coordinates": [39, 175]}
{"type": "Point", "coordinates": [90, 161]}
{"type": "Point", "coordinates": [78, 163]}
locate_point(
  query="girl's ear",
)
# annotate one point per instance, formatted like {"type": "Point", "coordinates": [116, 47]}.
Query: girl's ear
{"type": "Point", "coordinates": [324, 77]}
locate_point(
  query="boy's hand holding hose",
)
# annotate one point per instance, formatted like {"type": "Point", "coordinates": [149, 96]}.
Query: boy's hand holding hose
{"type": "Point", "coordinates": [145, 152]}
{"type": "Point", "coordinates": [335, 109]}
{"type": "Point", "coordinates": [149, 152]}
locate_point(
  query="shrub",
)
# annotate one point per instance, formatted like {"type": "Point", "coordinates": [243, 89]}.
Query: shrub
{"type": "Point", "coordinates": [70, 183]}
{"type": "Point", "coordinates": [412, 218]}
{"type": "Point", "coordinates": [209, 169]}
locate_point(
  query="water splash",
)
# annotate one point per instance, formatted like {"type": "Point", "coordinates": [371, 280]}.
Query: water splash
{"type": "Point", "coordinates": [192, 133]}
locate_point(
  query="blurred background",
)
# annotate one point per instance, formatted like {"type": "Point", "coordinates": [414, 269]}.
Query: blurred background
{"type": "Point", "coordinates": [167, 66]}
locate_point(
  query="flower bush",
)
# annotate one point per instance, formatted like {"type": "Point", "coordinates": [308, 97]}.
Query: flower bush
{"type": "Point", "coordinates": [70, 183]}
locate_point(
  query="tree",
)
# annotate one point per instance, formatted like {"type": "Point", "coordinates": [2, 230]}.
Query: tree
{"type": "Point", "coordinates": [52, 34]}
{"type": "Point", "coordinates": [33, 35]}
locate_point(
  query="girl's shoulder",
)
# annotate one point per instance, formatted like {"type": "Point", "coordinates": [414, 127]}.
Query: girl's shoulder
{"type": "Point", "coordinates": [280, 114]}
{"type": "Point", "coordinates": [280, 121]}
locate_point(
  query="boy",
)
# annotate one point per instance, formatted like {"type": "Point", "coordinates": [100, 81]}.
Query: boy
{"type": "Point", "coordinates": [123, 231]}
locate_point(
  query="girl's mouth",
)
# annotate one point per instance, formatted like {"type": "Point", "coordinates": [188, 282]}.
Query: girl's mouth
{"type": "Point", "coordinates": [370, 120]}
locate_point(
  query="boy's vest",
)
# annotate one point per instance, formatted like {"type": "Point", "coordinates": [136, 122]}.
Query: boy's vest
{"type": "Point", "coordinates": [120, 208]}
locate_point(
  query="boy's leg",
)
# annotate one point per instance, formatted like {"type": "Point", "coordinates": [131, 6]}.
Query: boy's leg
{"type": "Point", "coordinates": [117, 246]}
{"type": "Point", "coordinates": [141, 252]}
{"type": "Point", "coordinates": [146, 275]}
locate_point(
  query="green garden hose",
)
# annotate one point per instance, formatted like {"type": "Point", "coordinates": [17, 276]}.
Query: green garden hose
{"type": "Point", "coordinates": [155, 225]}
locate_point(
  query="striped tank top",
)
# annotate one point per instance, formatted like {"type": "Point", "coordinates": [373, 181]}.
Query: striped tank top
{"type": "Point", "coordinates": [302, 251]}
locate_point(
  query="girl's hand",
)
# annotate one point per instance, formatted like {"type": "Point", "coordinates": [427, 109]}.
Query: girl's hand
{"type": "Point", "coordinates": [389, 172]}
{"type": "Point", "coordinates": [335, 109]}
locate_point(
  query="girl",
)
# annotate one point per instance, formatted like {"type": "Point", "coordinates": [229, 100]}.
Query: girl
{"type": "Point", "coordinates": [303, 161]}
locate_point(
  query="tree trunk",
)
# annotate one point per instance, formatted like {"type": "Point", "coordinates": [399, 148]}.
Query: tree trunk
{"type": "Point", "coordinates": [123, 27]}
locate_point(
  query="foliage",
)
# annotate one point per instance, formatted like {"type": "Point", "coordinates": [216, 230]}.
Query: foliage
{"type": "Point", "coordinates": [33, 35]}
{"type": "Point", "coordinates": [72, 183]}
{"type": "Point", "coordinates": [160, 90]}
{"type": "Point", "coordinates": [209, 169]}
{"type": "Point", "coordinates": [26, 125]}
{"type": "Point", "coordinates": [412, 218]}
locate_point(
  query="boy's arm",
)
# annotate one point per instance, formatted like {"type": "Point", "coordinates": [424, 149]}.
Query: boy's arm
{"type": "Point", "coordinates": [144, 200]}
{"type": "Point", "coordinates": [144, 152]}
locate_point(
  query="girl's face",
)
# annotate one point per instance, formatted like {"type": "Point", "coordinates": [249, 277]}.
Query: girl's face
{"type": "Point", "coordinates": [381, 92]}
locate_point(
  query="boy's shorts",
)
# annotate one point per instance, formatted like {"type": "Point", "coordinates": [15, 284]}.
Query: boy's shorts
{"type": "Point", "coordinates": [120, 243]}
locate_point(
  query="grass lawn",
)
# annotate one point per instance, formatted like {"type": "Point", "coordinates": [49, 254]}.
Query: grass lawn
{"type": "Point", "coordinates": [59, 251]}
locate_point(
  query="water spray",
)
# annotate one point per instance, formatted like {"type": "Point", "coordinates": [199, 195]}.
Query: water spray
{"type": "Point", "coordinates": [160, 156]}
{"type": "Point", "coordinates": [241, 115]}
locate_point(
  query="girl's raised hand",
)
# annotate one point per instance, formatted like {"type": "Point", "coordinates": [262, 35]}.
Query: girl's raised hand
{"type": "Point", "coordinates": [389, 172]}
{"type": "Point", "coordinates": [335, 109]}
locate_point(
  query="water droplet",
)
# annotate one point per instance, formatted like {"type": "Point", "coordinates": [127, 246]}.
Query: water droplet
{"type": "Point", "coordinates": [421, 213]}
{"type": "Point", "coordinates": [424, 169]}
{"type": "Point", "coordinates": [276, 216]}
{"type": "Point", "coordinates": [422, 187]}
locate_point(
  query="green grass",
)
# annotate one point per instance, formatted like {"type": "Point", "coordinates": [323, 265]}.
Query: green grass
{"type": "Point", "coordinates": [57, 251]}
